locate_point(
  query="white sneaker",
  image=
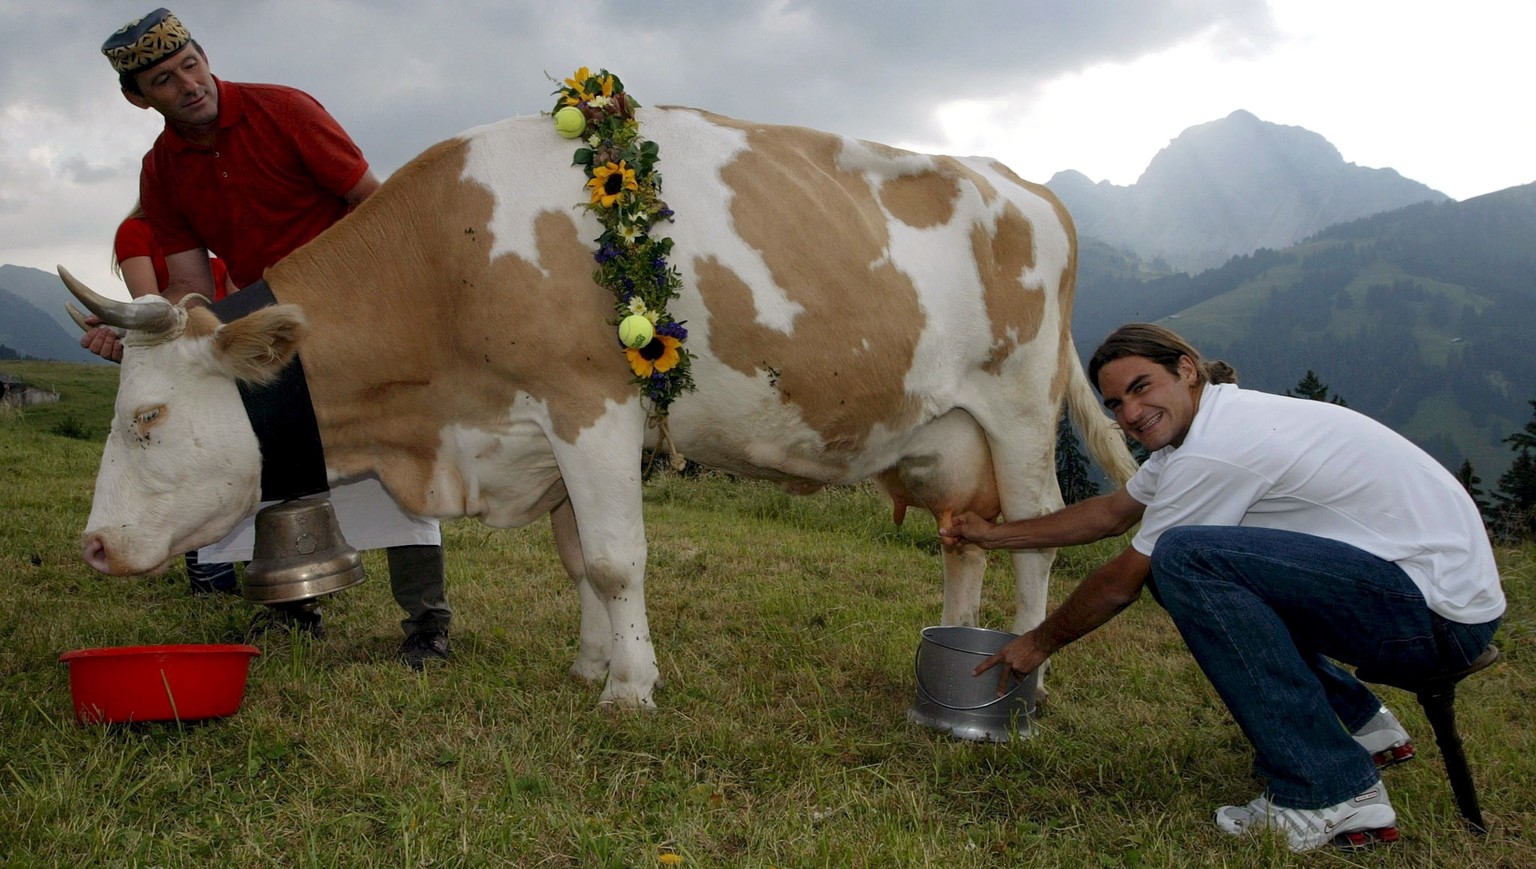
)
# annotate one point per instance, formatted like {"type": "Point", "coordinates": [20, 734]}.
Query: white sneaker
{"type": "Point", "coordinates": [1386, 739]}
{"type": "Point", "coordinates": [1362, 820]}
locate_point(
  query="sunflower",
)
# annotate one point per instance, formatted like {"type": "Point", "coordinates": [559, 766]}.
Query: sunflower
{"type": "Point", "coordinates": [609, 183]}
{"type": "Point", "coordinates": [576, 89]}
{"type": "Point", "coordinates": [578, 84]}
{"type": "Point", "coordinates": [605, 84]}
{"type": "Point", "coordinates": [659, 355]}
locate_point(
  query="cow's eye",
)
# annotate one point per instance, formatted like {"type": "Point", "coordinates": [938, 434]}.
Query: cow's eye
{"type": "Point", "coordinates": [147, 418]}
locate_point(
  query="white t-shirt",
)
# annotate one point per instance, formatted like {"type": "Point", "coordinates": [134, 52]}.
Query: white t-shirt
{"type": "Point", "coordinates": [1268, 461]}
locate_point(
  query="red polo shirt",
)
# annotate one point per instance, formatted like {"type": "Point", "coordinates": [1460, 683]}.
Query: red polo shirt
{"type": "Point", "coordinates": [274, 178]}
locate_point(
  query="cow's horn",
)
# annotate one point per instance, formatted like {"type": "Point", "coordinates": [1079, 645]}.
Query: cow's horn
{"type": "Point", "coordinates": [79, 318]}
{"type": "Point", "coordinates": [149, 317]}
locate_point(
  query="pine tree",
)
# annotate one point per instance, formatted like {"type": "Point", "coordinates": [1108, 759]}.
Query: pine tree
{"type": "Point", "coordinates": [1525, 439]}
{"type": "Point", "coordinates": [1469, 480]}
{"type": "Point", "coordinates": [1315, 389]}
{"type": "Point", "coordinates": [1514, 509]}
{"type": "Point", "coordinates": [1071, 466]}
{"type": "Point", "coordinates": [1138, 452]}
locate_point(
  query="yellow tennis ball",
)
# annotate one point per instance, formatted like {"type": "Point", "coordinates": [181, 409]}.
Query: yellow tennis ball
{"type": "Point", "coordinates": [570, 122]}
{"type": "Point", "coordinates": [636, 331]}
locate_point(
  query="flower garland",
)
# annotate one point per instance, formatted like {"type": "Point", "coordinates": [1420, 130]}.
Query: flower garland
{"type": "Point", "coordinates": [625, 191]}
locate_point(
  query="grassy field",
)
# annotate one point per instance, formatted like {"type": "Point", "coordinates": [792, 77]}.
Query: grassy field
{"type": "Point", "coordinates": [785, 629]}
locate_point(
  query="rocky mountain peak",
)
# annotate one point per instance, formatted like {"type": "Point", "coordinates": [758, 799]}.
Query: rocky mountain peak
{"type": "Point", "coordinates": [1230, 187]}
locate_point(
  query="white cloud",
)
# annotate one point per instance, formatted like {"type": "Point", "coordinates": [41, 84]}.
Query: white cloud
{"type": "Point", "coordinates": [1093, 85]}
{"type": "Point", "coordinates": [1409, 86]}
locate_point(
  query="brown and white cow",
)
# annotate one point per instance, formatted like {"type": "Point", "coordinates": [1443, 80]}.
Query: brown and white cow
{"type": "Point", "coordinates": [854, 311]}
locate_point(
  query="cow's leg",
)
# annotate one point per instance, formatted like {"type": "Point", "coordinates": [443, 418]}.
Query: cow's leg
{"type": "Point", "coordinates": [963, 570]}
{"type": "Point", "coordinates": [1024, 462]}
{"type": "Point", "coordinates": [1032, 578]}
{"type": "Point", "coordinates": [601, 472]}
{"type": "Point", "coordinates": [595, 647]}
{"type": "Point", "coordinates": [616, 573]}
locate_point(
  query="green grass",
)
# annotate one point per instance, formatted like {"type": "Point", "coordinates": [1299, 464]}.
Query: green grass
{"type": "Point", "coordinates": [785, 629]}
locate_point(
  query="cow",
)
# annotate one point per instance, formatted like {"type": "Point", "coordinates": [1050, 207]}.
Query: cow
{"type": "Point", "coordinates": [854, 311]}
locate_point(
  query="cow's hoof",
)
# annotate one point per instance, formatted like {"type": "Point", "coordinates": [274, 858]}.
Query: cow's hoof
{"type": "Point", "coordinates": [619, 706]}
{"type": "Point", "coordinates": [590, 670]}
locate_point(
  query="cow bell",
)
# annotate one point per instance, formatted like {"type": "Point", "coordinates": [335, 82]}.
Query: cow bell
{"type": "Point", "coordinates": [300, 554]}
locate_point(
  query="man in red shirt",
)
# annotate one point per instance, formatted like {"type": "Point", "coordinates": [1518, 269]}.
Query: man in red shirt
{"type": "Point", "coordinates": [250, 172]}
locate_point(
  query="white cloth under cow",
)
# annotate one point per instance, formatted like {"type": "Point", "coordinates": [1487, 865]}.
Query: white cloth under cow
{"type": "Point", "coordinates": [368, 516]}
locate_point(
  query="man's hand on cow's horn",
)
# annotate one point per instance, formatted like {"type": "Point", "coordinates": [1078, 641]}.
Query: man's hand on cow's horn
{"type": "Point", "coordinates": [102, 340]}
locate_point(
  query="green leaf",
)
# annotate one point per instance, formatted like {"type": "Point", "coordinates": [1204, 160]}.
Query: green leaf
{"type": "Point", "coordinates": [582, 157]}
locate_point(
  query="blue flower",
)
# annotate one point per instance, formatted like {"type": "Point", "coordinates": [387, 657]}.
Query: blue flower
{"type": "Point", "coordinates": [674, 329]}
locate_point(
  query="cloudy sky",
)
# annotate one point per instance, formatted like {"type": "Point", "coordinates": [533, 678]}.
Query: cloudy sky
{"type": "Point", "coordinates": [1438, 91]}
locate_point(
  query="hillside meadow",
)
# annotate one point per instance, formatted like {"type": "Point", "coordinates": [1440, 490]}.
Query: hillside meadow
{"type": "Point", "coordinates": [785, 629]}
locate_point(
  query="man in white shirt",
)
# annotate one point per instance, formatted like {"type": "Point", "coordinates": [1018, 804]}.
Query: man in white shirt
{"type": "Point", "coordinates": [1279, 533]}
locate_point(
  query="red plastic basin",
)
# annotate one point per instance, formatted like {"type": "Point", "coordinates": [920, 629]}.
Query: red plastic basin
{"type": "Point", "coordinates": [158, 683]}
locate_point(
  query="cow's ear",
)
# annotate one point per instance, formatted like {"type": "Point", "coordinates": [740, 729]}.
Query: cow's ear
{"type": "Point", "coordinates": [255, 347]}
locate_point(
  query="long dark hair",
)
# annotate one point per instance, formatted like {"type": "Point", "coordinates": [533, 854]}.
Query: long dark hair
{"type": "Point", "coordinates": [1159, 345]}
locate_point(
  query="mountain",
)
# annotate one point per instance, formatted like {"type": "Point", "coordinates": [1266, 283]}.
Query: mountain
{"type": "Point", "coordinates": [1419, 317]}
{"type": "Point", "coordinates": [1230, 187]}
{"type": "Point", "coordinates": [27, 296]}
{"type": "Point", "coordinates": [40, 289]}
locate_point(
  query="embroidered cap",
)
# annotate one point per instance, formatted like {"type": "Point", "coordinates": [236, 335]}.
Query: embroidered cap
{"type": "Point", "coordinates": [144, 42]}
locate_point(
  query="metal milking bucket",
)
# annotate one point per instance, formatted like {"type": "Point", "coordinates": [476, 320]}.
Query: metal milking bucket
{"type": "Point", "coordinates": [300, 554]}
{"type": "Point", "coordinates": [949, 698]}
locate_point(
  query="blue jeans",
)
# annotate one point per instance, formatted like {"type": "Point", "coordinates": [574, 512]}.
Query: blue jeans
{"type": "Point", "coordinates": [1262, 611]}
{"type": "Point", "coordinates": [211, 577]}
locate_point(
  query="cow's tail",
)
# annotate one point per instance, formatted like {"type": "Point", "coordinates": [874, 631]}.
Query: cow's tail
{"type": "Point", "coordinates": [1105, 442]}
